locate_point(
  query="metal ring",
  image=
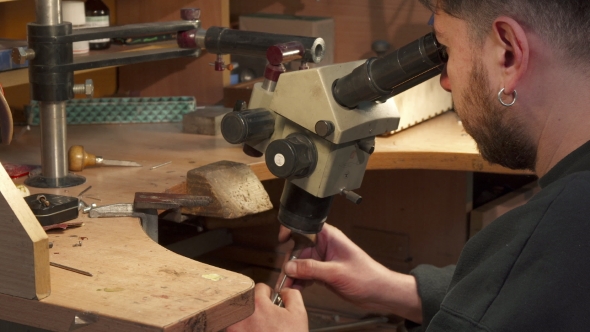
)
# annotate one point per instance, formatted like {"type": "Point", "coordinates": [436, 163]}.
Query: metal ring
{"type": "Point", "coordinates": [506, 104]}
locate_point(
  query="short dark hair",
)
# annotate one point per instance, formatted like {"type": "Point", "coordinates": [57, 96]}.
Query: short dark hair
{"type": "Point", "coordinates": [562, 23]}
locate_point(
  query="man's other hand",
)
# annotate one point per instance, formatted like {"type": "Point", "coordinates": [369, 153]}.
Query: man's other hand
{"type": "Point", "coordinates": [269, 317]}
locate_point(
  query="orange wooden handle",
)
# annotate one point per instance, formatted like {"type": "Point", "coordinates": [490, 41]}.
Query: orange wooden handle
{"type": "Point", "coordinates": [79, 159]}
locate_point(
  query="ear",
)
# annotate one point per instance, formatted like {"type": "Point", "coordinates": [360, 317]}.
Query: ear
{"type": "Point", "coordinates": [511, 41]}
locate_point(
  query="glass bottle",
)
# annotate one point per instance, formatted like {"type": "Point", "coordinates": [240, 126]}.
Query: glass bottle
{"type": "Point", "coordinates": [97, 15]}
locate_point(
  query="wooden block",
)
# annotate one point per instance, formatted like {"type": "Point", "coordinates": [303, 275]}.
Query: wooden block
{"type": "Point", "coordinates": [206, 121]}
{"type": "Point", "coordinates": [24, 246]}
{"type": "Point", "coordinates": [235, 189]}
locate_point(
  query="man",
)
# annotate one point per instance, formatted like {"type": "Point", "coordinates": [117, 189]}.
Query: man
{"type": "Point", "coordinates": [519, 73]}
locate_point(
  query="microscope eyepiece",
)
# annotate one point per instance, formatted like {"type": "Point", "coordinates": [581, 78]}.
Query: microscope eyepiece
{"type": "Point", "coordinates": [381, 78]}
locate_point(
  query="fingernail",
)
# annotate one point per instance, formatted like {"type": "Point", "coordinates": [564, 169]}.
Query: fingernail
{"type": "Point", "coordinates": [290, 268]}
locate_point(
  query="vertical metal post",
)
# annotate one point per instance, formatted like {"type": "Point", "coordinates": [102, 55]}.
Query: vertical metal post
{"type": "Point", "coordinates": [53, 139]}
{"type": "Point", "coordinates": [54, 163]}
{"type": "Point", "coordinates": [48, 12]}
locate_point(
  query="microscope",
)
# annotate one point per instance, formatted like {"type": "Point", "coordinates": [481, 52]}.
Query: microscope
{"type": "Point", "coordinates": [317, 127]}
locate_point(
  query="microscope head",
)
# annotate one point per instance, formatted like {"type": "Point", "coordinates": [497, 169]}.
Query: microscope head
{"type": "Point", "coordinates": [317, 127]}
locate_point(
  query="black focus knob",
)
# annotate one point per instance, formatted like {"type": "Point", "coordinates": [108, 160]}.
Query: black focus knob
{"type": "Point", "coordinates": [292, 157]}
{"type": "Point", "coordinates": [248, 125]}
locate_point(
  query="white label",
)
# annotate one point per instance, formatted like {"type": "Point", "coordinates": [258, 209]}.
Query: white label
{"type": "Point", "coordinates": [98, 21]}
{"type": "Point", "coordinates": [279, 160]}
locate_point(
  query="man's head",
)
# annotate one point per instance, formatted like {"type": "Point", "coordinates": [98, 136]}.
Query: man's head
{"type": "Point", "coordinates": [564, 24]}
{"type": "Point", "coordinates": [508, 45]}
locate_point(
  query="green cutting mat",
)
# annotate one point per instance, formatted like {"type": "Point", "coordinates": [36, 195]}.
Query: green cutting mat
{"type": "Point", "coordinates": [121, 110]}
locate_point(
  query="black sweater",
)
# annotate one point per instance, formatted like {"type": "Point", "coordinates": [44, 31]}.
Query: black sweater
{"type": "Point", "coordinates": [529, 270]}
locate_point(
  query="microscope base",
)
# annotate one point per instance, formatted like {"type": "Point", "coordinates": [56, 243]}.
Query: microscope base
{"type": "Point", "coordinates": [70, 180]}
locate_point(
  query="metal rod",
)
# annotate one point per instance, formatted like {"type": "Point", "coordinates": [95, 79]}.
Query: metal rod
{"type": "Point", "coordinates": [119, 59]}
{"type": "Point", "coordinates": [48, 12]}
{"type": "Point", "coordinates": [70, 269]}
{"type": "Point", "coordinates": [85, 190]}
{"type": "Point", "coordinates": [160, 165]}
{"type": "Point", "coordinates": [130, 30]}
{"type": "Point", "coordinates": [54, 164]}
{"type": "Point", "coordinates": [220, 40]}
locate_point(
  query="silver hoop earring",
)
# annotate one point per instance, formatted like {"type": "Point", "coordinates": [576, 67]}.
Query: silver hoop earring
{"type": "Point", "coordinates": [514, 94]}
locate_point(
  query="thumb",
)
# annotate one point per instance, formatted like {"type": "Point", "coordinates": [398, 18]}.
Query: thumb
{"type": "Point", "coordinates": [311, 269]}
{"type": "Point", "coordinates": [293, 301]}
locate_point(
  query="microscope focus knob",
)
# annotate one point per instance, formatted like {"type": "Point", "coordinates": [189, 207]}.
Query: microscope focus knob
{"type": "Point", "coordinates": [292, 157]}
{"type": "Point", "coordinates": [249, 125]}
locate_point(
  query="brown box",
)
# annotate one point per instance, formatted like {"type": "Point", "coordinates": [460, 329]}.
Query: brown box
{"type": "Point", "coordinates": [310, 26]}
{"type": "Point", "coordinates": [205, 121]}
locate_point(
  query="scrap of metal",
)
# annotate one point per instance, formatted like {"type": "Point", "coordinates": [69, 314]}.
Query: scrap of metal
{"type": "Point", "coordinates": [70, 269]}
{"type": "Point", "coordinates": [165, 201]}
{"type": "Point", "coordinates": [160, 165]}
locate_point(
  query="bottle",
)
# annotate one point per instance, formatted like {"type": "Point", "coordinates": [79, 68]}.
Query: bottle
{"type": "Point", "coordinates": [74, 12]}
{"type": "Point", "coordinates": [97, 15]}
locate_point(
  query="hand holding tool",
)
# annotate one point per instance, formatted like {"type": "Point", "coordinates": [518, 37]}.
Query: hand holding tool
{"type": "Point", "coordinates": [302, 241]}
{"type": "Point", "coordinates": [79, 159]}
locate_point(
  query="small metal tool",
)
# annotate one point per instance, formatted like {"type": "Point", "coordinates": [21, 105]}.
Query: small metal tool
{"type": "Point", "coordinates": [79, 159]}
{"type": "Point", "coordinates": [84, 191]}
{"type": "Point", "coordinates": [146, 206]}
{"type": "Point", "coordinates": [301, 241]}
{"type": "Point", "coordinates": [70, 269]}
{"type": "Point", "coordinates": [160, 165]}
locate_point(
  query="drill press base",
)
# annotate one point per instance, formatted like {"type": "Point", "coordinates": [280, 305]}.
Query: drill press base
{"type": "Point", "coordinates": [70, 180]}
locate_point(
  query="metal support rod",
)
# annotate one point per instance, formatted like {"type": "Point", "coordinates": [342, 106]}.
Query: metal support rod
{"type": "Point", "coordinates": [48, 12]}
{"type": "Point", "coordinates": [53, 139]}
{"type": "Point", "coordinates": [121, 31]}
{"type": "Point", "coordinates": [54, 164]}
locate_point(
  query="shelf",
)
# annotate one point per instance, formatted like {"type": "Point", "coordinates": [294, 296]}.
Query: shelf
{"type": "Point", "coordinates": [21, 76]}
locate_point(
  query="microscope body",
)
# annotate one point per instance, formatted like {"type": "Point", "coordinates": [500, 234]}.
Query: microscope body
{"type": "Point", "coordinates": [316, 127]}
{"type": "Point", "coordinates": [302, 101]}
{"type": "Point", "coordinates": [319, 147]}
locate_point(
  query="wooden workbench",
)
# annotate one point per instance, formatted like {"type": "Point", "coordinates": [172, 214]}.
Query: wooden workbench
{"type": "Point", "coordinates": [139, 285]}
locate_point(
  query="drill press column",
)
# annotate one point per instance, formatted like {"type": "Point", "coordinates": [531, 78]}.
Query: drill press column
{"type": "Point", "coordinates": [52, 90]}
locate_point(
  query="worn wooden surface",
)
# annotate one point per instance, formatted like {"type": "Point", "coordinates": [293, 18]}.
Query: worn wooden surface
{"type": "Point", "coordinates": [121, 256]}
{"type": "Point", "coordinates": [440, 143]}
{"type": "Point", "coordinates": [137, 284]}
{"type": "Point", "coordinates": [24, 258]}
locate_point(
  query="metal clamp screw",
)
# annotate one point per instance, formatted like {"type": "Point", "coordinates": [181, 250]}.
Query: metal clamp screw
{"type": "Point", "coordinates": [20, 55]}
{"type": "Point", "coordinates": [87, 88]}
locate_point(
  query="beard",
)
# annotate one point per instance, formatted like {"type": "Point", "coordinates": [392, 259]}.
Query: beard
{"type": "Point", "coordinates": [500, 138]}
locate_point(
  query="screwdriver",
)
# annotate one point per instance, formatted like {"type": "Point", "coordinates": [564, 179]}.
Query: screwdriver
{"type": "Point", "coordinates": [79, 159]}
{"type": "Point", "coordinates": [301, 241]}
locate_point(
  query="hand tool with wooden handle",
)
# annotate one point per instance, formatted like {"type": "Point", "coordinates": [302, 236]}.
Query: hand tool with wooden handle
{"type": "Point", "coordinates": [301, 241]}
{"type": "Point", "coordinates": [5, 120]}
{"type": "Point", "coordinates": [79, 159]}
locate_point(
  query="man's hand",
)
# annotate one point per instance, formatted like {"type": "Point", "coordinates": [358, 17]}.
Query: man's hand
{"type": "Point", "coordinates": [354, 275]}
{"type": "Point", "coordinates": [269, 317]}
